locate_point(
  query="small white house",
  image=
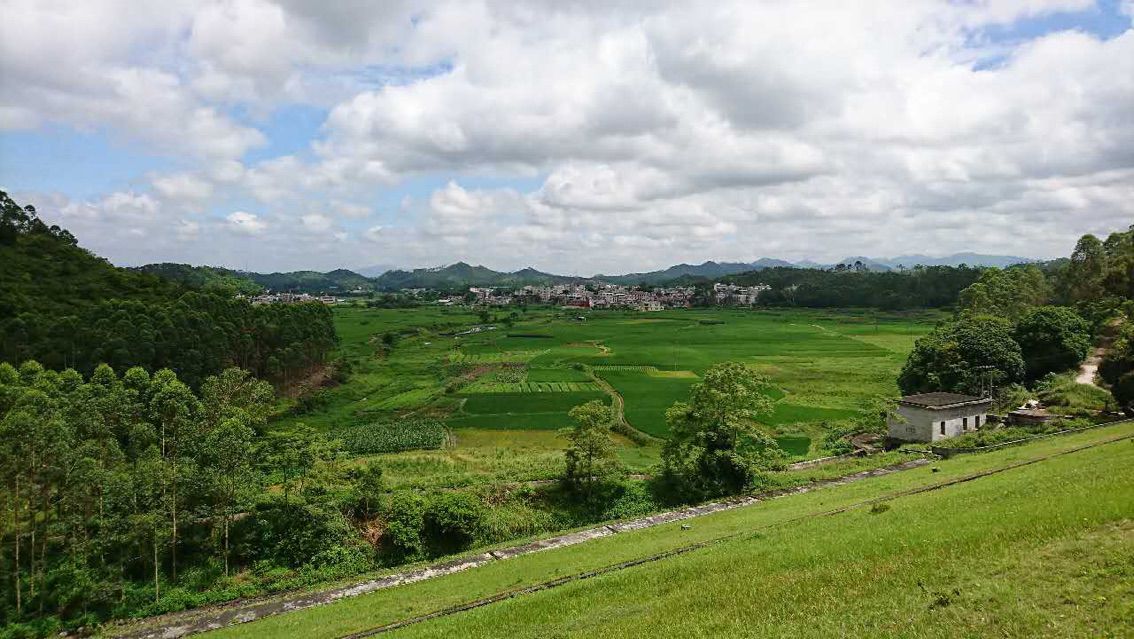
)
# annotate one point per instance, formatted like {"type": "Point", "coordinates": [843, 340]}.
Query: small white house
{"type": "Point", "coordinates": [931, 417]}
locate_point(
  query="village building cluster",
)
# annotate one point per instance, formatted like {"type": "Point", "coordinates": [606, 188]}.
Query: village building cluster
{"type": "Point", "coordinates": [608, 296]}
{"type": "Point", "coordinates": [592, 295]}
{"type": "Point", "coordinates": [731, 294]}
{"type": "Point", "coordinates": [291, 298]}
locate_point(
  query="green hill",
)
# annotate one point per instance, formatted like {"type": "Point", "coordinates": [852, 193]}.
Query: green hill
{"type": "Point", "coordinates": [210, 277]}
{"type": "Point", "coordinates": [65, 307]}
{"type": "Point", "coordinates": [247, 282]}
{"type": "Point", "coordinates": [459, 275]}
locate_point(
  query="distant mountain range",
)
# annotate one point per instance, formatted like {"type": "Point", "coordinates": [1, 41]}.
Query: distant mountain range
{"type": "Point", "coordinates": [462, 274]}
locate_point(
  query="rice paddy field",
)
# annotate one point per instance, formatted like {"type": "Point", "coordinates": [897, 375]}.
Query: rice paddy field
{"type": "Point", "coordinates": [519, 373]}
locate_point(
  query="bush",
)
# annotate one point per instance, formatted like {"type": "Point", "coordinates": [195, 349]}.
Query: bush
{"type": "Point", "coordinates": [452, 522]}
{"type": "Point", "coordinates": [405, 517]}
{"type": "Point", "coordinates": [1124, 392]}
{"type": "Point", "coordinates": [311, 402]}
{"type": "Point", "coordinates": [293, 534]}
{"type": "Point", "coordinates": [632, 499]}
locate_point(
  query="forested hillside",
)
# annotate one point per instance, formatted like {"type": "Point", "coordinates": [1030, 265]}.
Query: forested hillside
{"type": "Point", "coordinates": [337, 281]}
{"type": "Point", "coordinates": [67, 308]}
{"type": "Point", "coordinates": [210, 277]}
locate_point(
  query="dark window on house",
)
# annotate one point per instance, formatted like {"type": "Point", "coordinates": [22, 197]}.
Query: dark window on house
{"type": "Point", "coordinates": [964, 423]}
{"type": "Point", "coordinates": [976, 424]}
{"type": "Point", "coordinates": [942, 428]}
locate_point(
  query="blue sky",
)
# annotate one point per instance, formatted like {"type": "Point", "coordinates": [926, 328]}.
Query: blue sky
{"type": "Point", "coordinates": [603, 139]}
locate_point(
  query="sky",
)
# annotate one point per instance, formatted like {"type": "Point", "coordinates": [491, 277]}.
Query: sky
{"type": "Point", "coordinates": [573, 136]}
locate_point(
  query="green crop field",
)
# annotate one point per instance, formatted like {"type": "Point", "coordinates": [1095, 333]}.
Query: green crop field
{"type": "Point", "coordinates": [522, 410]}
{"type": "Point", "coordinates": [1045, 549]}
{"type": "Point", "coordinates": [557, 375]}
{"type": "Point", "coordinates": [391, 437]}
{"type": "Point", "coordinates": [822, 365]}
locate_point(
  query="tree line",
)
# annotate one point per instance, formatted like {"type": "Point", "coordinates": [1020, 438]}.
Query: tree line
{"type": "Point", "coordinates": [132, 494]}
{"type": "Point", "coordinates": [67, 308]}
{"type": "Point", "coordinates": [918, 287]}
{"type": "Point", "coordinates": [1021, 324]}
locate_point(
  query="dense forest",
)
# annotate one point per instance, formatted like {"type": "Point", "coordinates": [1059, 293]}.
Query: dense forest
{"type": "Point", "coordinates": [67, 308]}
{"type": "Point", "coordinates": [127, 494]}
{"type": "Point", "coordinates": [848, 287]}
{"type": "Point", "coordinates": [1018, 328]}
{"type": "Point", "coordinates": [246, 282]}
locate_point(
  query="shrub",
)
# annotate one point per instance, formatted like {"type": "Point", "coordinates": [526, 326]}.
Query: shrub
{"type": "Point", "coordinates": [292, 534]}
{"type": "Point", "coordinates": [452, 522]}
{"type": "Point", "coordinates": [405, 517]}
{"type": "Point", "coordinates": [1124, 392]}
{"type": "Point", "coordinates": [632, 499]}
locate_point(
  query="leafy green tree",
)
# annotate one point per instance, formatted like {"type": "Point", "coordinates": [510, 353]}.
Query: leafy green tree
{"type": "Point", "coordinates": [715, 445]}
{"type": "Point", "coordinates": [368, 488]}
{"type": "Point", "coordinates": [1052, 339]}
{"type": "Point", "coordinates": [971, 355]}
{"type": "Point", "coordinates": [1083, 278]}
{"type": "Point", "coordinates": [176, 411]}
{"type": "Point", "coordinates": [236, 393]}
{"type": "Point", "coordinates": [1006, 292]}
{"type": "Point", "coordinates": [1118, 280]}
{"type": "Point", "coordinates": [591, 459]}
{"type": "Point", "coordinates": [228, 458]}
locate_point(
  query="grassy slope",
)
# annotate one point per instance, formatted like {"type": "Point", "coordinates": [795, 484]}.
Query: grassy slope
{"type": "Point", "coordinates": [995, 541]}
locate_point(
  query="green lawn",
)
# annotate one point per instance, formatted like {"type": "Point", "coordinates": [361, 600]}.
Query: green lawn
{"type": "Point", "coordinates": [1037, 550]}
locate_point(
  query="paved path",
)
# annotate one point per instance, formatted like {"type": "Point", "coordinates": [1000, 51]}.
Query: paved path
{"type": "Point", "coordinates": [182, 624]}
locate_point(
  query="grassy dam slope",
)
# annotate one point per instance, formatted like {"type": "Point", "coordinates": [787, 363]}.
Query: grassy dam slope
{"type": "Point", "coordinates": [1036, 540]}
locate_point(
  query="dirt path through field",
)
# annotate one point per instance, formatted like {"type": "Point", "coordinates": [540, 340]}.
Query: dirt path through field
{"type": "Point", "coordinates": [1090, 367]}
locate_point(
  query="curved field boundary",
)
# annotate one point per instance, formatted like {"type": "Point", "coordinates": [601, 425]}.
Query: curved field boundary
{"type": "Point", "coordinates": [561, 581]}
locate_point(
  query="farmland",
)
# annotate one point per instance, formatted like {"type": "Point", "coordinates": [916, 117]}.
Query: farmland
{"type": "Point", "coordinates": [521, 371]}
{"type": "Point", "coordinates": [1044, 551]}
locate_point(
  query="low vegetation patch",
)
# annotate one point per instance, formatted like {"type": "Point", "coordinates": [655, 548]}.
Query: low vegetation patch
{"type": "Point", "coordinates": [993, 436]}
{"type": "Point", "coordinates": [1063, 395]}
{"type": "Point", "coordinates": [392, 437]}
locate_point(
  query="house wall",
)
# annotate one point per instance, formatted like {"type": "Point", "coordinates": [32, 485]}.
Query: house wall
{"type": "Point", "coordinates": [924, 425]}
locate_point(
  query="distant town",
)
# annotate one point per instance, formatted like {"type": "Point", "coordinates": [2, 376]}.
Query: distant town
{"type": "Point", "coordinates": [566, 295]}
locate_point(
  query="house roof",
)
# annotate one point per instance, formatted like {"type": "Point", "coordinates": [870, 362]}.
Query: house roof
{"type": "Point", "coordinates": [942, 400]}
